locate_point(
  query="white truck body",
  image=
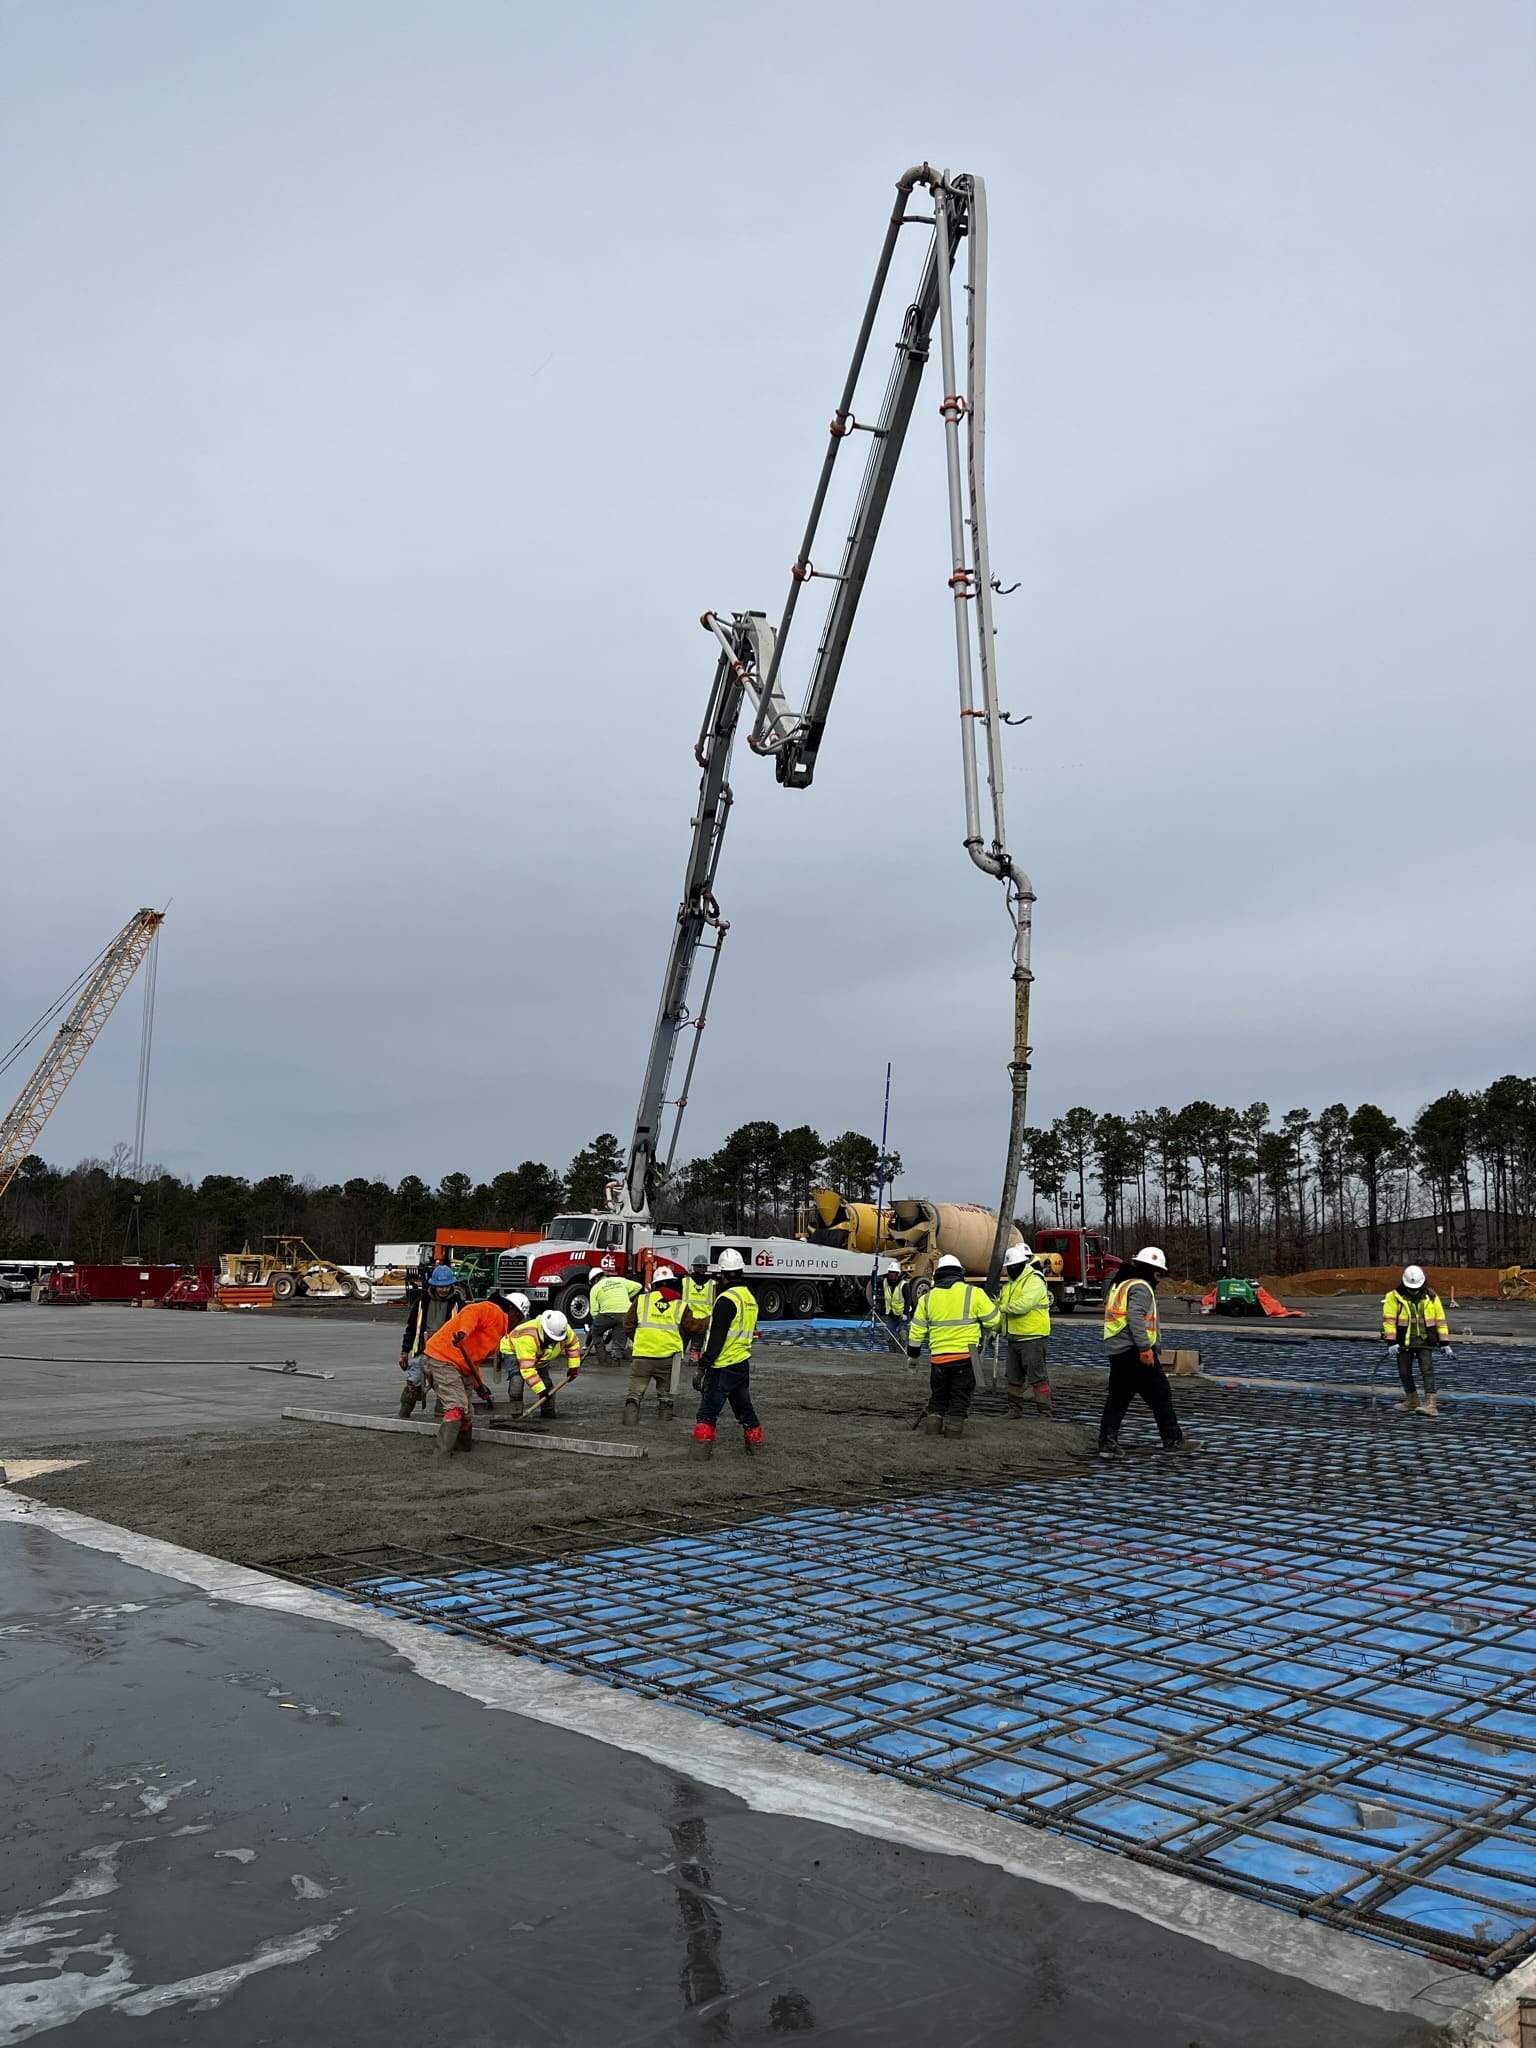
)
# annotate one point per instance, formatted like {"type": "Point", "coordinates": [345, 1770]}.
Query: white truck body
{"type": "Point", "coordinates": [788, 1277]}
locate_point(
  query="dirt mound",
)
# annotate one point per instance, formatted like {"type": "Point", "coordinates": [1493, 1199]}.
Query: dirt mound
{"type": "Point", "coordinates": [1467, 1283]}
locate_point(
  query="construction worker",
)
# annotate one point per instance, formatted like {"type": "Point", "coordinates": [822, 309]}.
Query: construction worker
{"type": "Point", "coordinates": [1024, 1302]}
{"type": "Point", "coordinates": [698, 1305]}
{"type": "Point", "coordinates": [895, 1301]}
{"type": "Point", "coordinates": [536, 1345]}
{"type": "Point", "coordinates": [506, 1360]}
{"type": "Point", "coordinates": [1413, 1320]}
{"type": "Point", "coordinates": [432, 1304]}
{"type": "Point", "coordinates": [726, 1360]}
{"type": "Point", "coordinates": [655, 1324]}
{"type": "Point", "coordinates": [454, 1356]}
{"type": "Point", "coordinates": [949, 1320]}
{"type": "Point", "coordinates": [609, 1300]}
{"type": "Point", "coordinates": [1130, 1340]}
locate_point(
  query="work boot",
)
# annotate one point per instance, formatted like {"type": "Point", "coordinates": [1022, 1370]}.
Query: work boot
{"type": "Point", "coordinates": [631, 1413]}
{"type": "Point", "coordinates": [1110, 1448]}
{"type": "Point", "coordinates": [1043, 1401]}
{"type": "Point", "coordinates": [1180, 1448]}
{"type": "Point", "coordinates": [1015, 1407]}
{"type": "Point", "coordinates": [448, 1437]}
{"type": "Point", "coordinates": [549, 1408]}
{"type": "Point", "coordinates": [703, 1445]}
{"type": "Point", "coordinates": [1430, 1406]}
{"type": "Point", "coordinates": [954, 1425]}
{"type": "Point", "coordinates": [408, 1399]}
{"type": "Point", "coordinates": [752, 1439]}
{"type": "Point", "coordinates": [664, 1409]}
{"type": "Point", "coordinates": [932, 1425]}
{"type": "Point", "coordinates": [1409, 1405]}
{"type": "Point", "coordinates": [466, 1439]}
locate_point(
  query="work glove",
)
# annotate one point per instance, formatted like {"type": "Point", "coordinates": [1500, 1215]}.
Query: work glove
{"type": "Point", "coordinates": [1147, 1357]}
{"type": "Point", "coordinates": [571, 1371]}
{"type": "Point", "coordinates": [405, 1360]}
{"type": "Point", "coordinates": [1449, 1353]}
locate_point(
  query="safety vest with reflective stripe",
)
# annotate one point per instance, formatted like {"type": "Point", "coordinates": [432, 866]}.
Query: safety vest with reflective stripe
{"type": "Point", "coordinates": [656, 1332]}
{"type": "Point", "coordinates": [1025, 1301]}
{"type": "Point", "coordinates": [531, 1348]}
{"type": "Point", "coordinates": [699, 1299]}
{"type": "Point", "coordinates": [1115, 1318]}
{"type": "Point", "coordinates": [952, 1319]}
{"type": "Point", "coordinates": [895, 1297]}
{"type": "Point", "coordinates": [737, 1348]}
{"type": "Point", "coordinates": [1397, 1316]}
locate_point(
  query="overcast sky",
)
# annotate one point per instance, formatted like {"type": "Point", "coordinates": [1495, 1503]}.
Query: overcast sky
{"type": "Point", "coordinates": [386, 386]}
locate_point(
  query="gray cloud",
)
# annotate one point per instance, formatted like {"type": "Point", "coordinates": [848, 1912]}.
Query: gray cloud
{"type": "Point", "coordinates": [386, 390]}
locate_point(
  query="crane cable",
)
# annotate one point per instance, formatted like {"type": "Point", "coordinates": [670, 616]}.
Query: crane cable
{"type": "Point", "coordinates": [30, 1036]}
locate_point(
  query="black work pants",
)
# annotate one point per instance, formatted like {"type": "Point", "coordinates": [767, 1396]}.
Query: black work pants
{"type": "Point", "coordinates": [731, 1383]}
{"type": "Point", "coordinates": [1128, 1377]}
{"type": "Point", "coordinates": [951, 1383]}
{"type": "Point", "coordinates": [1405, 1357]}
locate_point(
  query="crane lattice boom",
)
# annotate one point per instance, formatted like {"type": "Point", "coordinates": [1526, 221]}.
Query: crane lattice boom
{"type": "Point", "coordinates": [73, 1040]}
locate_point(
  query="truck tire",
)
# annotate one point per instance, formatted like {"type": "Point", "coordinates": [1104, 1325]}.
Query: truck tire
{"type": "Point", "coordinates": [805, 1299]}
{"type": "Point", "coordinates": [284, 1286]}
{"type": "Point", "coordinates": [770, 1300]}
{"type": "Point", "coordinates": [575, 1303]}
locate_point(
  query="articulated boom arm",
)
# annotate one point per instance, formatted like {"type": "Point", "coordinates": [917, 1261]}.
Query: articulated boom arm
{"type": "Point", "coordinates": [746, 647]}
{"type": "Point", "coordinates": [73, 1040]}
{"type": "Point", "coordinates": [751, 655]}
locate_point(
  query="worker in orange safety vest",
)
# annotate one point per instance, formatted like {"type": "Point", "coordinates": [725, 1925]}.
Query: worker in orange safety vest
{"type": "Point", "coordinates": [453, 1358]}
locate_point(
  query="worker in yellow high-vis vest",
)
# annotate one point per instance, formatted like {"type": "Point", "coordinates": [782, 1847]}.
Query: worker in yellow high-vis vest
{"type": "Point", "coordinates": [1024, 1302]}
{"type": "Point", "coordinates": [698, 1305]}
{"type": "Point", "coordinates": [1130, 1340]}
{"type": "Point", "coordinates": [949, 1320]}
{"type": "Point", "coordinates": [726, 1363]}
{"type": "Point", "coordinates": [655, 1326]}
{"type": "Point", "coordinates": [610, 1296]}
{"type": "Point", "coordinates": [1413, 1323]}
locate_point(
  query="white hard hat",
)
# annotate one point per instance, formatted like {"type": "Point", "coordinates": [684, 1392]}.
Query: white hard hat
{"type": "Point", "coordinates": [893, 1266]}
{"type": "Point", "coordinates": [1017, 1255]}
{"type": "Point", "coordinates": [730, 1261]}
{"type": "Point", "coordinates": [554, 1325]}
{"type": "Point", "coordinates": [521, 1303]}
{"type": "Point", "coordinates": [1151, 1255]}
{"type": "Point", "coordinates": [949, 1262]}
{"type": "Point", "coordinates": [1413, 1276]}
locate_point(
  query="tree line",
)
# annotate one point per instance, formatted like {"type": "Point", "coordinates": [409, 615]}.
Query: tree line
{"type": "Point", "coordinates": [754, 1184]}
{"type": "Point", "coordinates": [1343, 1187]}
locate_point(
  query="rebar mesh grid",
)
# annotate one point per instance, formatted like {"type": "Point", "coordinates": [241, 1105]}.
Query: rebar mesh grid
{"type": "Point", "coordinates": [1300, 1667]}
{"type": "Point", "coordinates": [1231, 1351]}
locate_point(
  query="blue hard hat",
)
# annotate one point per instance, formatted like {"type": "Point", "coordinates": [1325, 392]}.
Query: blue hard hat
{"type": "Point", "coordinates": [443, 1276]}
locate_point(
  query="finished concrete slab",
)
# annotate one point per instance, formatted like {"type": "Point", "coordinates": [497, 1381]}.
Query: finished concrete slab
{"type": "Point", "coordinates": [246, 1825]}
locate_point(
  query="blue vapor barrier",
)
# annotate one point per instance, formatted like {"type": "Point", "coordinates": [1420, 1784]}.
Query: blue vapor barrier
{"type": "Point", "coordinates": [1324, 1702]}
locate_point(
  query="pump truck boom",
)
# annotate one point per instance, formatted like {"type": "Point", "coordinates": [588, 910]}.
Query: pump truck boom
{"type": "Point", "coordinates": [747, 681]}
{"type": "Point", "coordinates": [751, 655]}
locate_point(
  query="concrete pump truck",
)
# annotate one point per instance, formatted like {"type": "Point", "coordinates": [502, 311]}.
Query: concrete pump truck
{"type": "Point", "coordinates": [789, 1276]}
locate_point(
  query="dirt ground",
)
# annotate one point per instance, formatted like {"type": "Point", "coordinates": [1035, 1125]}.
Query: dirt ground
{"type": "Point", "coordinates": [288, 1489]}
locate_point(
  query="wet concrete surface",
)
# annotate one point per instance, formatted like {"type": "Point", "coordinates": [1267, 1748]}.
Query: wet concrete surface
{"type": "Point", "coordinates": [244, 1827]}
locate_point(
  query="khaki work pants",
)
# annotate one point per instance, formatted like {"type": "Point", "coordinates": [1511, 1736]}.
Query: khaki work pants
{"type": "Point", "coordinates": [451, 1387]}
{"type": "Point", "coordinates": [643, 1372]}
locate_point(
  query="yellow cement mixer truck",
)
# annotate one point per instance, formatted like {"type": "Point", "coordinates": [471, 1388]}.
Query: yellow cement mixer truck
{"type": "Point", "coordinates": [918, 1233]}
